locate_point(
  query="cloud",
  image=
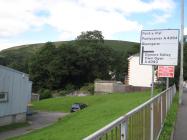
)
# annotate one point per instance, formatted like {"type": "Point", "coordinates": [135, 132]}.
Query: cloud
{"type": "Point", "coordinates": [161, 18]}
{"type": "Point", "coordinates": [18, 16]}
{"type": "Point", "coordinates": [5, 43]}
{"type": "Point", "coordinates": [71, 17]}
{"type": "Point", "coordinates": [185, 30]}
{"type": "Point", "coordinates": [129, 6]}
{"type": "Point", "coordinates": [84, 18]}
{"type": "Point", "coordinates": [109, 16]}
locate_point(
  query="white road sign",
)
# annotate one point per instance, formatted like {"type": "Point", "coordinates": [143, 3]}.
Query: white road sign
{"type": "Point", "coordinates": [159, 47]}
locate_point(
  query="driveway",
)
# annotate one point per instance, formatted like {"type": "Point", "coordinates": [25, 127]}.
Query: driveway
{"type": "Point", "coordinates": [36, 121]}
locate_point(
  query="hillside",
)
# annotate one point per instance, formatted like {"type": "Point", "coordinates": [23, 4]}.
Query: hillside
{"type": "Point", "coordinates": [54, 67]}
{"type": "Point", "coordinates": [116, 44]}
{"type": "Point", "coordinates": [17, 57]}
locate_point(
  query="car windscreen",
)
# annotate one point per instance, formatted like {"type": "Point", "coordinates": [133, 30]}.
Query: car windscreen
{"type": "Point", "coordinates": [75, 106]}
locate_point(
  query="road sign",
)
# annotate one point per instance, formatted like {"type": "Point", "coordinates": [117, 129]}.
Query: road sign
{"type": "Point", "coordinates": [166, 71]}
{"type": "Point", "coordinates": [159, 47]}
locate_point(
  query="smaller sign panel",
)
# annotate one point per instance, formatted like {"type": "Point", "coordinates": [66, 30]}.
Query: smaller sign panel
{"type": "Point", "coordinates": [166, 71]}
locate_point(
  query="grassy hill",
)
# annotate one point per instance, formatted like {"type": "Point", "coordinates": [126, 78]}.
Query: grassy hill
{"type": "Point", "coordinates": [17, 57]}
{"type": "Point", "coordinates": [116, 44]}
{"type": "Point", "coordinates": [101, 110]}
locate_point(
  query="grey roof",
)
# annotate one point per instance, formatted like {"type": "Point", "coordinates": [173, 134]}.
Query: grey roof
{"type": "Point", "coordinates": [13, 70]}
{"type": "Point", "coordinates": [136, 54]}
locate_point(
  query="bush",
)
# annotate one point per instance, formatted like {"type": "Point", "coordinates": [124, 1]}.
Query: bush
{"type": "Point", "coordinates": [63, 92]}
{"type": "Point", "coordinates": [160, 86]}
{"type": "Point", "coordinates": [68, 89]}
{"type": "Point", "coordinates": [88, 88]}
{"type": "Point", "coordinates": [45, 93]}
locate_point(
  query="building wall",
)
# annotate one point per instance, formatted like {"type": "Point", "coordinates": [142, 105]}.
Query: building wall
{"type": "Point", "coordinates": [17, 118]}
{"type": "Point", "coordinates": [104, 86]}
{"type": "Point", "coordinates": [139, 75]}
{"type": "Point", "coordinates": [18, 87]}
{"type": "Point", "coordinates": [114, 86]}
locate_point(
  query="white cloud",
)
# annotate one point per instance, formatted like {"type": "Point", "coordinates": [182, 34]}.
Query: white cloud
{"type": "Point", "coordinates": [129, 6]}
{"type": "Point", "coordinates": [161, 18]}
{"type": "Point", "coordinates": [83, 19]}
{"type": "Point", "coordinates": [18, 16]}
{"type": "Point", "coordinates": [70, 17]}
{"type": "Point", "coordinates": [67, 36]}
{"type": "Point", "coordinates": [5, 43]}
{"type": "Point", "coordinates": [185, 30]}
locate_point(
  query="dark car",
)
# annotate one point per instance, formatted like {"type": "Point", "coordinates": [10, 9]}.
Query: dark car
{"type": "Point", "coordinates": [77, 106]}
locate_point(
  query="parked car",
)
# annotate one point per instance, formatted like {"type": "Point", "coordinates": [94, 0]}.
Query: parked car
{"type": "Point", "coordinates": [77, 106]}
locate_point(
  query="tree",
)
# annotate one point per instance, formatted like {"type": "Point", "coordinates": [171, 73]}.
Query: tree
{"type": "Point", "coordinates": [39, 69]}
{"type": "Point", "coordinates": [2, 60]}
{"type": "Point", "coordinates": [95, 37]}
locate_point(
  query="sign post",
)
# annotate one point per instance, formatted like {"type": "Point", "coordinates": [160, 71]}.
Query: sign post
{"type": "Point", "coordinates": [152, 84]}
{"type": "Point", "coordinates": [158, 47]}
{"type": "Point", "coordinates": [167, 82]}
{"type": "Point", "coordinates": [182, 54]}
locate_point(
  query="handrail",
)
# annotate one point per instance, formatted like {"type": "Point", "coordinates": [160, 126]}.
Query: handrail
{"type": "Point", "coordinates": [122, 119]}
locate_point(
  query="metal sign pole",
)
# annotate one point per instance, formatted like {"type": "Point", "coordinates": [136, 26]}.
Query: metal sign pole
{"type": "Point", "coordinates": [181, 61]}
{"type": "Point", "coordinates": [152, 84]}
{"type": "Point", "coordinates": [151, 112]}
{"type": "Point", "coordinates": [167, 82]}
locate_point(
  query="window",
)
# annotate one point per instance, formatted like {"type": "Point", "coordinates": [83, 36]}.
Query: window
{"type": "Point", "coordinates": [3, 96]}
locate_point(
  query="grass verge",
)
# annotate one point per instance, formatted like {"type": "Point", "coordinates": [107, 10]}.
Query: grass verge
{"type": "Point", "coordinates": [101, 110]}
{"type": "Point", "coordinates": [12, 126]}
{"type": "Point", "coordinates": [170, 120]}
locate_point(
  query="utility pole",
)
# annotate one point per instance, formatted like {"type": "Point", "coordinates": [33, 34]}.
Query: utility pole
{"type": "Point", "coordinates": [182, 47]}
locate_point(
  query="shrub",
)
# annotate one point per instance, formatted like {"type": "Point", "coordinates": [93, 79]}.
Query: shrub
{"type": "Point", "coordinates": [67, 90]}
{"type": "Point", "coordinates": [70, 88]}
{"type": "Point", "coordinates": [88, 88]}
{"type": "Point", "coordinates": [63, 92]}
{"type": "Point", "coordinates": [45, 93]}
{"type": "Point", "coordinates": [160, 86]}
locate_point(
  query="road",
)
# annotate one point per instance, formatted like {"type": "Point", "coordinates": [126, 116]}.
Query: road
{"type": "Point", "coordinates": [37, 121]}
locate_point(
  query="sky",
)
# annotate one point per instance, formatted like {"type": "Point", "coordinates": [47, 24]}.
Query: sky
{"type": "Point", "coordinates": [38, 21]}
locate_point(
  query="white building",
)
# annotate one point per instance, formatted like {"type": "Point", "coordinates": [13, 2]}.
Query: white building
{"type": "Point", "coordinates": [15, 94]}
{"type": "Point", "coordinates": [139, 75]}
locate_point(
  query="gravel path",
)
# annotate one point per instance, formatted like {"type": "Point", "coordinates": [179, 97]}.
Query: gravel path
{"type": "Point", "coordinates": [36, 121]}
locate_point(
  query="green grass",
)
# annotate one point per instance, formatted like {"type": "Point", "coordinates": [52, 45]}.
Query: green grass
{"type": "Point", "coordinates": [101, 110]}
{"type": "Point", "coordinates": [12, 126]}
{"type": "Point", "coordinates": [169, 123]}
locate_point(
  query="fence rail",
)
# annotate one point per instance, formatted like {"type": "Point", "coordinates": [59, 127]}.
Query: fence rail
{"type": "Point", "coordinates": [145, 122]}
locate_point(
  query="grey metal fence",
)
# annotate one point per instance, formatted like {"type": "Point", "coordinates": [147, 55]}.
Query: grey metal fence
{"type": "Point", "coordinates": [142, 123]}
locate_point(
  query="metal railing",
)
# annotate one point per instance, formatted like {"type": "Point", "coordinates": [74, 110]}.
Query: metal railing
{"type": "Point", "coordinates": [145, 122]}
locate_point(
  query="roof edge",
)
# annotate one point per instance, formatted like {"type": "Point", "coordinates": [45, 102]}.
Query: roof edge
{"type": "Point", "coordinates": [13, 70]}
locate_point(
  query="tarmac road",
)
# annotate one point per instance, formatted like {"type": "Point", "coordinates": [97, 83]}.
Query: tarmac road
{"type": "Point", "coordinates": [36, 121]}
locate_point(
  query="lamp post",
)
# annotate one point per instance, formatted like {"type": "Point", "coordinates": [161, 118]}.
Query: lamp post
{"type": "Point", "coordinates": [181, 60]}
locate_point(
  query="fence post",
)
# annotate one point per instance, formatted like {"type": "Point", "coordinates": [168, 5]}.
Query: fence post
{"type": "Point", "coordinates": [166, 102]}
{"type": "Point", "coordinates": [124, 130]}
{"type": "Point", "coordinates": [161, 111]}
{"type": "Point", "coordinates": [171, 96]}
{"type": "Point", "coordinates": [152, 121]}
{"type": "Point", "coordinates": [169, 101]}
